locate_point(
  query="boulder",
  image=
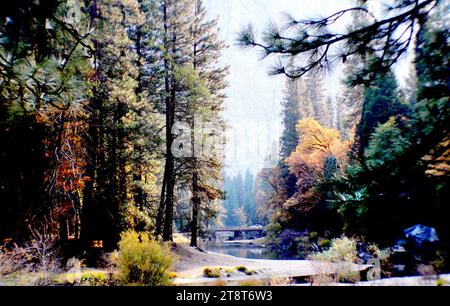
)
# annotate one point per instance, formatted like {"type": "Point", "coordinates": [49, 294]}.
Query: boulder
{"type": "Point", "coordinates": [420, 235]}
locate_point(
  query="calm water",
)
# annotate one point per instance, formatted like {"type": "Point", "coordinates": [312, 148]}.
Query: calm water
{"type": "Point", "coordinates": [238, 250]}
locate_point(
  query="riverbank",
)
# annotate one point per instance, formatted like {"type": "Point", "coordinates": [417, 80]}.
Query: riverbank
{"type": "Point", "coordinates": [193, 261]}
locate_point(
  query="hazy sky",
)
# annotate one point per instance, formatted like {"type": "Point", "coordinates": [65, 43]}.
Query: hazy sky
{"type": "Point", "coordinates": [252, 107]}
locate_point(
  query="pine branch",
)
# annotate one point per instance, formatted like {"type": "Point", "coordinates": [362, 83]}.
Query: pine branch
{"type": "Point", "coordinates": [318, 46]}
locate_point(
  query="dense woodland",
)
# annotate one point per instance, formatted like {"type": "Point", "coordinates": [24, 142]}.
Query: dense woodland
{"type": "Point", "coordinates": [376, 160]}
{"type": "Point", "coordinates": [92, 94]}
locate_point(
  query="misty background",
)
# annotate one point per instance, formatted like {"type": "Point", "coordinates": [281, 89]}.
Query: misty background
{"type": "Point", "coordinates": [253, 104]}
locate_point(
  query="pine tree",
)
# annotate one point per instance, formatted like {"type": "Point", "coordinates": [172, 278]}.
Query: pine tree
{"type": "Point", "coordinates": [231, 200]}
{"type": "Point", "coordinates": [206, 169]}
{"type": "Point", "coordinates": [190, 42]}
{"type": "Point", "coordinates": [290, 116]}
{"type": "Point", "coordinates": [43, 69]}
{"type": "Point", "coordinates": [142, 123]}
{"type": "Point", "coordinates": [313, 99]}
{"type": "Point", "coordinates": [249, 201]}
{"type": "Point", "coordinates": [114, 95]}
{"type": "Point", "coordinates": [381, 101]}
{"type": "Point", "coordinates": [350, 100]}
{"type": "Point", "coordinates": [410, 90]}
{"type": "Point", "coordinates": [175, 20]}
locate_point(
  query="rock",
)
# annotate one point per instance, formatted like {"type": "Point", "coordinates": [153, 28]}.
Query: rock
{"type": "Point", "coordinates": [398, 249]}
{"type": "Point", "coordinates": [399, 268]}
{"type": "Point", "coordinates": [421, 234]}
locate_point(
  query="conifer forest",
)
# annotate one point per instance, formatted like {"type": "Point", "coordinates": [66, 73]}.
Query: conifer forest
{"type": "Point", "coordinates": [217, 142]}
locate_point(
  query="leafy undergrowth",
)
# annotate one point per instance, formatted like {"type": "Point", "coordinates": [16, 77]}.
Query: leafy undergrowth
{"type": "Point", "coordinates": [140, 261]}
{"type": "Point", "coordinates": [83, 278]}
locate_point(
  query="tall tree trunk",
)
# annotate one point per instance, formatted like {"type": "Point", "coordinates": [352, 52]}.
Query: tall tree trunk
{"type": "Point", "coordinates": [161, 208]}
{"type": "Point", "coordinates": [195, 209]}
{"type": "Point", "coordinates": [139, 197]}
{"type": "Point", "coordinates": [89, 207]}
{"type": "Point", "coordinates": [170, 120]}
{"type": "Point", "coordinates": [170, 176]}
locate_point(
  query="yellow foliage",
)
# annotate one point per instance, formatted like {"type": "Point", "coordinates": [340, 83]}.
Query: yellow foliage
{"type": "Point", "coordinates": [143, 261]}
{"type": "Point", "coordinates": [316, 144]}
{"type": "Point", "coordinates": [180, 239]}
{"type": "Point", "coordinates": [438, 160]}
{"type": "Point", "coordinates": [213, 272]}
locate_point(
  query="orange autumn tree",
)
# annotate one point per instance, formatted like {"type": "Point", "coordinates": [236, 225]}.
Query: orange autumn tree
{"type": "Point", "coordinates": [317, 144]}
{"type": "Point", "coordinates": [66, 177]}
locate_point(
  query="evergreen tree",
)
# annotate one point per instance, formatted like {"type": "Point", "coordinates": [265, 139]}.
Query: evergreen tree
{"type": "Point", "coordinates": [410, 90]}
{"type": "Point", "coordinates": [206, 169]}
{"type": "Point", "coordinates": [143, 125]}
{"type": "Point", "coordinates": [290, 116]}
{"type": "Point", "coordinates": [175, 18]}
{"type": "Point", "coordinates": [314, 99]}
{"type": "Point", "coordinates": [404, 163]}
{"type": "Point", "coordinates": [231, 200]}
{"type": "Point", "coordinates": [351, 98]}
{"type": "Point", "coordinates": [43, 72]}
{"type": "Point", "coordinates": [249, 201]}
{"type": "Point", "coordinates": [114, 95]}
{"type": "Point", "coordinates": [313, 40]}
{"type": "Point", "coordinates": [381, 101]}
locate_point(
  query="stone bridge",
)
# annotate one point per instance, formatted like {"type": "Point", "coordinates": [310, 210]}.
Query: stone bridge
{"type": "Point", "coordinates": [237, 231]}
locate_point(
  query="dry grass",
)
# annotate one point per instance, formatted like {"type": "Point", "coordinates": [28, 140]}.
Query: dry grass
{"type": "Point", "coordinates": [252, 283]}
{"type": "Point", "coordinates": [428, 274]}
{"type": "Point", "coordinates": [279, 281]}
{"type": "Point", "coordinates": [180, 239]}
{"type": "Point", "coordinates": [323, 276]}
{"type": "Point", "coordinates": [212, 272]}
{"type": "Point", "coordinates": [38, 255]}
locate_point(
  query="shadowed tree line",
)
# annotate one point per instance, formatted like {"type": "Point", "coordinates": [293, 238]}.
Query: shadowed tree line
{"type": "Point", "coordinates": [89, 95]}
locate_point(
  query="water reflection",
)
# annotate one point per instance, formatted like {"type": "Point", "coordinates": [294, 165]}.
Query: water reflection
{"type": "Point", "coordinates": [239, 250]}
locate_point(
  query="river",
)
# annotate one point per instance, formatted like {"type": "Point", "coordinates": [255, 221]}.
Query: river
{"type": "Point", "coordinates": [242, 250]}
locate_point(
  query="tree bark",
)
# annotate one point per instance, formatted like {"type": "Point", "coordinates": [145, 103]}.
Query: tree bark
{"type": "Point", "coordinates": [195, 209]}
{"type": "Point", "coordinates": [170, 119]}
{"type": "Point", "coordinates": [161, 208]}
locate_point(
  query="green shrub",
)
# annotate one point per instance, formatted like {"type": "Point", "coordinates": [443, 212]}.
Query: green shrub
{"type": "Point", "coordinates": [343, 253]}
{"type": "Point", "coordinates": [342, 250]}
{"type": "Point", "coordinates": [212, 272]}
{"type": "Point", "coordinates": [143, 261]}
{"type": "Point", "coordinates": [324, 243]}
{"type": "Point", "coordinates": [273, 230]}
